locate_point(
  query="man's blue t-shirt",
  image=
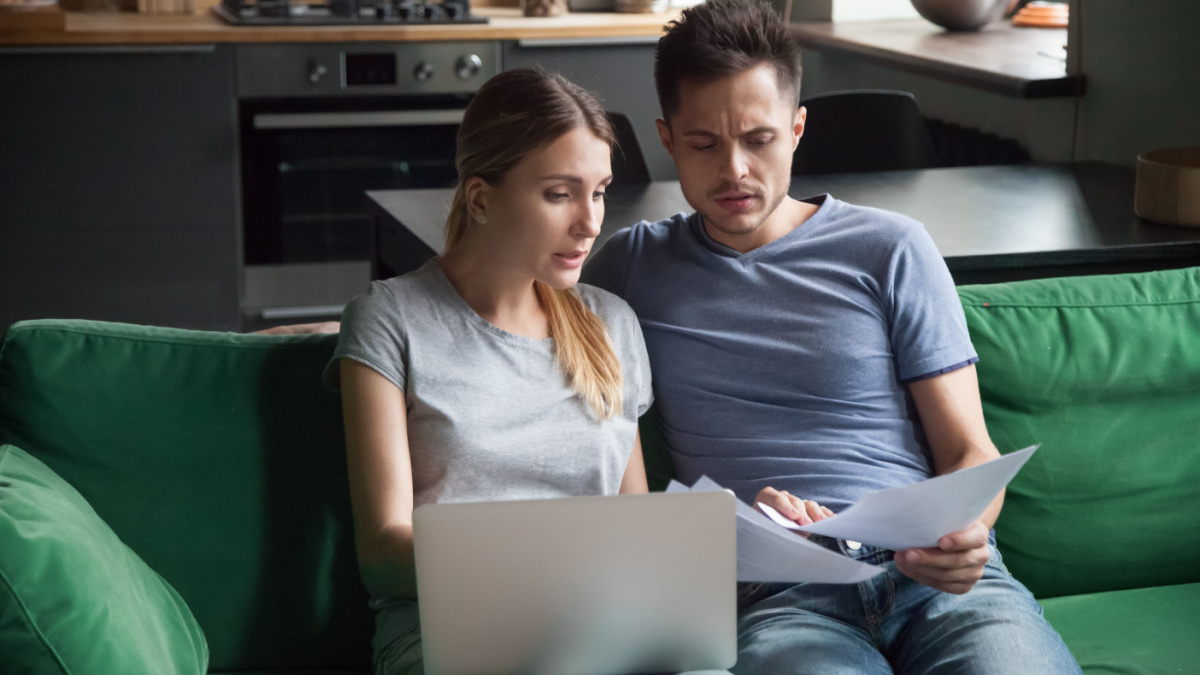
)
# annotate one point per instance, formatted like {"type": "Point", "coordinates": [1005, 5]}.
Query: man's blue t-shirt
{"type": "Point", "coordinates": [786, 366]}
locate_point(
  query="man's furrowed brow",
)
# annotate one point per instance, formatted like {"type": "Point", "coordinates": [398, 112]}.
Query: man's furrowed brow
{"type": "Point", "coordinates": [755, 131]}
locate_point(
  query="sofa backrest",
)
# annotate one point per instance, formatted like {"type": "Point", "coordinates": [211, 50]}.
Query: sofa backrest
{"type": "Point", "coordinates": [219, 459]}
{"type": "Point", "coordinates": [1104, 372]}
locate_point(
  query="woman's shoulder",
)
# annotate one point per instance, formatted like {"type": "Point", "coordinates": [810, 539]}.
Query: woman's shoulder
{"type": "Point", "coordinates": [393, 299]}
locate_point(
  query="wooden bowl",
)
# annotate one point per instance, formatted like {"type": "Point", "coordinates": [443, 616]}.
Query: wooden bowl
{"type": "Point", "coordinates": [1168, 186]}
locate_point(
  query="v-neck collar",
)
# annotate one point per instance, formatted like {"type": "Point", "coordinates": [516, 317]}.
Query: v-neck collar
{"type": "Point", "coordinates": [824, 203]}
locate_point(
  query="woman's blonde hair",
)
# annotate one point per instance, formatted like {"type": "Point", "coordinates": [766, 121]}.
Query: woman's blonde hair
{"type": "Point", "coordinates": [512, 115]}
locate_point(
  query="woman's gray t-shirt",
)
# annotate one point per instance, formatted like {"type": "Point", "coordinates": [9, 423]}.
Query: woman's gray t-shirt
{"type": "Point", "coordinates": [490, 414]}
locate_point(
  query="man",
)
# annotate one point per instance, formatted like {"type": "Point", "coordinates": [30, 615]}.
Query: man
{"type": "Point", "coordinates": [812, 348]}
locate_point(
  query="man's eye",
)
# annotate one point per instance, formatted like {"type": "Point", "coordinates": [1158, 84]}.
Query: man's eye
{"type": "Point", "coordinates": [710, 146]}
{"type": "Point", "coordinates": [761, 141]}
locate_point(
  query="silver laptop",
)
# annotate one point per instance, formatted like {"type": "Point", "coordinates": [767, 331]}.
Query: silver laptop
{"type": "Point", "coordinates": [581, 586]}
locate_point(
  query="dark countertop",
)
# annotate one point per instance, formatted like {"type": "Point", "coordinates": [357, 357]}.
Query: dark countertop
{"type": "Point", "coordinates": [991, 223]}
{"type": "Point", "coordinates": [1001, 58]}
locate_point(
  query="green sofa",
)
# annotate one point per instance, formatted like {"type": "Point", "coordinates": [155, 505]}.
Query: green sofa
{"type": "Point", "coordinates": [217, 461]}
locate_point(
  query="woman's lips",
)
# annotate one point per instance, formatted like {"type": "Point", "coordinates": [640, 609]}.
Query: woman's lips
{"type": "Point", "coordinates": [571, 260]}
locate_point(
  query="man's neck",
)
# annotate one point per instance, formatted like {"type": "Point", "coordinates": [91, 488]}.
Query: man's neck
{"type": "Point", "coordinates": [789, 215]}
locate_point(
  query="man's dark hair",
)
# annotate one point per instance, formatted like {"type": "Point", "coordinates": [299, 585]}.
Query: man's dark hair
{"type": "Point", "coordinates": [720, 38]}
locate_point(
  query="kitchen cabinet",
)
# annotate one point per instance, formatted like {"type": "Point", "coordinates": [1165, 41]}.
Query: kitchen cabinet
{"type": "Point", "coordinates": [619, 70]}
{"type": "Point", "coordinates": [119, 185]}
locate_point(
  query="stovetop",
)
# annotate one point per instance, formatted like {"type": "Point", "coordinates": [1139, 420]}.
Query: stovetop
{"type": "Point", "coordinates": [345, 12]}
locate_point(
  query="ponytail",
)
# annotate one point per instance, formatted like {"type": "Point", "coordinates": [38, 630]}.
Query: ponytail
{"type": "Point", "coordinates": [456, 222]}
{"type": "Point", "coordinates": [585, 353]}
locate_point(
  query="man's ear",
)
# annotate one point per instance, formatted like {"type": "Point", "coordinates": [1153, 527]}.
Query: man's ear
{"type": "Point", "coordinates": [664, 137]}
{"type": "Point", "coordinates": [477, 192]}
{"type": "Point", "coordinates": [798, 126]}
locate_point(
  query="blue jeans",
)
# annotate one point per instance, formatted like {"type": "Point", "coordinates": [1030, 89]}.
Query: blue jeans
{"type": "Point", "coordinates": [893, 624]}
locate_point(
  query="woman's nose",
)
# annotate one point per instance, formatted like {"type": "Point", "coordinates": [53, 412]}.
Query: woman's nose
{"type": "Point", "coordinates": [590, 218]}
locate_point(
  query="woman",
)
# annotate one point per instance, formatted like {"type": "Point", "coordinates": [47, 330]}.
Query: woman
{"type": "Point", "coordinates": [488, 374]}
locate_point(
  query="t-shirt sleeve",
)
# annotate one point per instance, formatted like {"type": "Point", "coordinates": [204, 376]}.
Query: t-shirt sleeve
{"type": "Point", "coordinates": [928, 326]}
{"type": "Point", "coordinates": [609, 267]}
{"type": "Point", "coordinates": [371, 334]}
{"type": "Point", "coordinates": [642, 358]}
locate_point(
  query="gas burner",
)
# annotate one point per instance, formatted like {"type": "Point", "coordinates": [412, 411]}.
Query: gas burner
{"type": "Point", "coordinates": [344, 12]}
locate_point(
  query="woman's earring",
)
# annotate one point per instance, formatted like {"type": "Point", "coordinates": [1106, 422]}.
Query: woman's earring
{"type": "Point", "coordinates": [481, 218]}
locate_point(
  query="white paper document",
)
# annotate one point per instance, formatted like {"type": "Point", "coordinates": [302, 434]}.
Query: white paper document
{"type": "Point", "coordinates": [920, 514]}
{"type": "Point", "coordinates": [766, 552]}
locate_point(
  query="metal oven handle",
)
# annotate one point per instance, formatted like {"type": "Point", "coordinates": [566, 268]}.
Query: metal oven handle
{"type": "Point", "coordinates": [372, 118]}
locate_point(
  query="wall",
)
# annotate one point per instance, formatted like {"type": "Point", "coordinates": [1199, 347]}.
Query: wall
{"type": "Point", "coordinates": [1043, 126]}
{"type": "Point", "coordinates": [1142, 61]}
{"type": "Point", "coordinates": [1142, 66]}
{"type": "Point", "coordinates": [851, 10]}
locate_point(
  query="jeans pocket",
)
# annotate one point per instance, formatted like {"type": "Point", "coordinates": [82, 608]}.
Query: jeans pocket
{"type": "Point", "coordinates": [747, 593]}
{"type": "Point", "coordinates": [996, 561]}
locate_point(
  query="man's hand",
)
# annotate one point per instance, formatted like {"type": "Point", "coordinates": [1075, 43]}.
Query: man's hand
{"type": "Point", "coordinates": [802, 511]}
{"type": "Point", "coordinates": [954, 566]}
{"type": "Point", "coordinates": [303, 328]}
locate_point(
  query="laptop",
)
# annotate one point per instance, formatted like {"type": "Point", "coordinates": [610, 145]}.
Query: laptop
{"type": "Point", "coordinates": [579, 586]}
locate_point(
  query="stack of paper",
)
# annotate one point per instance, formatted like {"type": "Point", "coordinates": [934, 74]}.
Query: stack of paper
{"type": "Point", "coordinates": [768, 552]}
{"type": "Point", "coordinates": [898, 518]}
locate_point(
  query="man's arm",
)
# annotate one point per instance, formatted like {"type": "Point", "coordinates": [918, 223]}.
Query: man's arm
{"type": "Point", "coordinates": [952, 416]}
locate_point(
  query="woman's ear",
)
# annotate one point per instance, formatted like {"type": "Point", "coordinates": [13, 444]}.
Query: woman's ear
{"type": "Point", "coordinates": [477, 196]}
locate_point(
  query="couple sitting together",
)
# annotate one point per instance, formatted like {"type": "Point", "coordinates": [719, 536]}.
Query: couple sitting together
{"type": "Point", "coordinates": [800, 349]}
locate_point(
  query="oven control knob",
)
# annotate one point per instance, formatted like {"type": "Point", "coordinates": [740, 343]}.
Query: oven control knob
{"type": "Point", "coordinates": [468, 66]}
{"type": "Point", "coordinates": [316, 70]}
{"type": "Point", "coordinates": [423, 71]}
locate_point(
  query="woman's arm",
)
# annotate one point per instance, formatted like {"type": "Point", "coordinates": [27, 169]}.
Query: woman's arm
{"type": "Point", "coordinates": [634, 480]}
{"type": "Point", "coordinates": [381, 486]}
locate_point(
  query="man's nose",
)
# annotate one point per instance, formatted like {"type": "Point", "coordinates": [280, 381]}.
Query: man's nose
{"type": "Point", "coordinates": [734, 166]}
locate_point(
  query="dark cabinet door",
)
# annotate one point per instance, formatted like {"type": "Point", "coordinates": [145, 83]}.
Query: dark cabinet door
{"type": "Point", "coordinates": [118, 185]}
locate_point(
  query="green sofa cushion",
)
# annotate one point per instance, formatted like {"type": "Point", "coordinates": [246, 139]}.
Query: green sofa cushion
{"type": "Point", "coordinates": [73, 598]}
{"type": "Point", "coordinates": [1104, 372]}
{"type": "Point", "coordinates": [1132, 632]}
{"type": "Point", "coordinates": [220, 459]}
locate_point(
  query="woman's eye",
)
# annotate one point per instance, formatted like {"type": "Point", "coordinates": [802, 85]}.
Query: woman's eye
{"type": "Point", "coordinates": [557, 196]}
{"type": "Point", "coordinates": [597, 196]}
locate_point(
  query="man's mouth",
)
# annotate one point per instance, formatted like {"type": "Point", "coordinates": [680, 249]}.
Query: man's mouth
{"type": "Point", "coordinates": [736, 202]}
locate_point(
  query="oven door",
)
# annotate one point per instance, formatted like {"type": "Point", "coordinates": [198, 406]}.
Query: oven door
{"type": "Point", "coordinates": [308, 233]}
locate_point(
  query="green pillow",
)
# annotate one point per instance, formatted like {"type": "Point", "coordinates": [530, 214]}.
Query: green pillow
{"type": "Point", "coordinates": [73, 598]}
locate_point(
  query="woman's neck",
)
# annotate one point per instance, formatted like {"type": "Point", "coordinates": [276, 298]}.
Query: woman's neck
{"type": "Point", "coordinates": [501, 297]}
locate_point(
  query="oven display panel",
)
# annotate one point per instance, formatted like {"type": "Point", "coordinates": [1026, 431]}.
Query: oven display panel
{"type": "Point", "coordinates": [369, 69]}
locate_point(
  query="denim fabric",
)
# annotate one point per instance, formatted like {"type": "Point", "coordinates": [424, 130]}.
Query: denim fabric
{"type": "Point", "coordinates": [893, 624]}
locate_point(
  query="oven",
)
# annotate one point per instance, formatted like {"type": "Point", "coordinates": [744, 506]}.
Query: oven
{"type": "Point", "coordinates": [320, 124]}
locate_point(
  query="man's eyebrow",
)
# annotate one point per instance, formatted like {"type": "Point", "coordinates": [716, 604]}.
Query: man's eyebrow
{"type": "Point", "coordinates": [755, 130]}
